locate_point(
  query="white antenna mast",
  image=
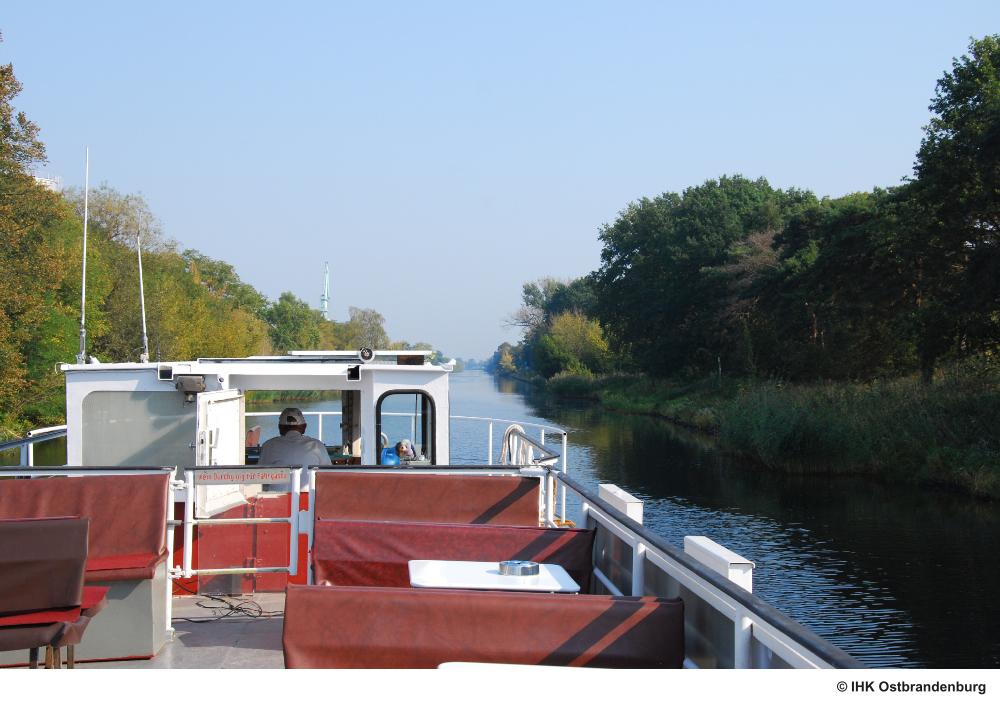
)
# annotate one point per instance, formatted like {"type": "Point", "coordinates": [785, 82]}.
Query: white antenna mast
{"type": "Point", "coordinates": [325, 298]}
{"type": "Point", "coordinates": [144, 358]}
{"type": "Point", "coordinates": [82, 356]}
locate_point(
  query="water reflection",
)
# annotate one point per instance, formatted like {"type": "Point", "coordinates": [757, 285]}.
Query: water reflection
{"type": "Point", "coordinates": [894, 575]}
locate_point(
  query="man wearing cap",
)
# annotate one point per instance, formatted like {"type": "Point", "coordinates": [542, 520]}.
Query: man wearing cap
{"type": "Point", "coordinates": [293, 447]}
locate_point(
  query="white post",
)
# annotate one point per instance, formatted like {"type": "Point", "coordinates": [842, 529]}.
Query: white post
{"type": "Point", "coordinates": [293, 546]}
{"type": "Point", "coordinates": [744, 632]}
{"type": "Point", "coordinates": [320, 430]}
{"type": "Point", "coordinates": [188, 520]}
{"type": "Point", "coordinates": [638, 564]}
{"type": "Point", "coordinates": [170, 564]}
{"type": "Point", "coordinates": [24, 454]}
{"type": "Point", "coordinates": [564, 443]}
{"type": "Point", "coordinates": [144, 358]}
{"type": "Point", "coordinates": [489, 448]}
{"type": "Point", "coordinates": [310, 515]}
{"type": "Point", "coordinates": [82, 356]}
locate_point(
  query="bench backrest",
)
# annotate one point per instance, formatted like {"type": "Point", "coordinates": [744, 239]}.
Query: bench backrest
{"type": "Point", "coordinates": [376, 554]}
{"type": "Point", "coordinates": [42, 563]}
{"type": "Point", "coordinates": [128, 513]}
{"type": "Point", "coordinates": [359, 627]}
{"type": "Point", "coordinates": [439, 499]}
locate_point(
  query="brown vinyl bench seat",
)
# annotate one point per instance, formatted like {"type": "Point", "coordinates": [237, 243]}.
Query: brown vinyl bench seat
{"type": "Point", "coordinates": [93, 601]}
{"type": "Point", "coordinates": [427, 497]}
{"type": "Point", "coordinates": [43, 599]}
{"type": "Point", "coordinates": [127, 514]}
{"type": "Point", "coordinates": [365, 627]}
{"type": "Point", "coordinates": [376, 554]}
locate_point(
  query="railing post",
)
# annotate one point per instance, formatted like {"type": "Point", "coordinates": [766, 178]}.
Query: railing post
{"type": "Point", "coordinates": [638, 568]}
{"type": "Point", "coordinates": [293, 545]}
{"type": "Point", "coordinates": [489, 448]}
{"type": "Point", "coordinates": [170, 578]}
{"type": "Point", "coordinates": [744, 632]}
{"type": "Point", "coordinates": [564, 443]}
{"type": "Point", "coordinates": [188, 520]}
{"type": "Point", "coordinates": [310, 516]}
{"type": "Point", "coordinates": [320, 430]}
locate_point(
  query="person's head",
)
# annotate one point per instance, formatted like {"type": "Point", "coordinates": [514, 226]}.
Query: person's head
{"type": "Point", "coordinates": [291, 419]}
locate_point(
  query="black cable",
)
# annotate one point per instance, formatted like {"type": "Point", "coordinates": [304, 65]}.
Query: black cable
{"type": "Point", "coordinates": [247, 608]}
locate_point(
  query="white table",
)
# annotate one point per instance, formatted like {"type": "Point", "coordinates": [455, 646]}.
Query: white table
{"type": "Point", "coordinates": [485, 575]}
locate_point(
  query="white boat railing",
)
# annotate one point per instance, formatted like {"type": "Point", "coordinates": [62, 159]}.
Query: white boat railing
{"type": "Point", "coordinates": [27, 444]}
{"type": "Point", "coordinates": [725, 625]}
{"type": "Point", "coordinates": [542, 428]}
{"type": "Point", "coordinates": [319, 428]}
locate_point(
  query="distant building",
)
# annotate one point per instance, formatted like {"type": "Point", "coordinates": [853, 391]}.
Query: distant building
{"type": "Point", "coordinates": [49, 182]}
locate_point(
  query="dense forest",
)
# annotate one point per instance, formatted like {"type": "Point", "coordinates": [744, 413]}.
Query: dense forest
{"type": "Point", "coordinates": [195, 306]}
{"type": "Point", "coordinates": [782, 283]}
{"type": "Point", "coordinates": [850, 334]}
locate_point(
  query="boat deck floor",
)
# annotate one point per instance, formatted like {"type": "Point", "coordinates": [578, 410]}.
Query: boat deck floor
{"type": "Point", "coordinates": [202, 641]}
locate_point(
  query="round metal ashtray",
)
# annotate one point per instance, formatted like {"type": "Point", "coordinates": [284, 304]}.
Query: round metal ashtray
{"type": "Point", "coordinates": [518, 568]}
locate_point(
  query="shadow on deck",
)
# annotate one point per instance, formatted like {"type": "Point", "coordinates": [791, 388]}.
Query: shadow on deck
{"type": "Point", "coordinates": [235, 641]}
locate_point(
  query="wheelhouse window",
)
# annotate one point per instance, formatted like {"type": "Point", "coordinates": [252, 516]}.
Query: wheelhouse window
{"type": "Point", "coordinates": [404, 422]}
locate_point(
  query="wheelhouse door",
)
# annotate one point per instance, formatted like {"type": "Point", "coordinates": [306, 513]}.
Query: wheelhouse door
{"type": "Point", "coordinates": [220, 442]}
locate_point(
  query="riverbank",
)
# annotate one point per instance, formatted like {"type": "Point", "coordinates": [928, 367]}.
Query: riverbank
{"type": "Point", "coordinates": [286, 396]}
{"type": "Point", "coordinates": [946, 433]}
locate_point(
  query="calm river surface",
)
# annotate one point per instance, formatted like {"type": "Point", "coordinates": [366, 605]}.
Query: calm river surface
{"type": "Point", "coordinates": [893, 575]}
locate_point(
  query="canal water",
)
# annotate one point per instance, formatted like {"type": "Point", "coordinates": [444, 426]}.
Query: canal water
{"type": "Point", "coordinates": [894, 575]}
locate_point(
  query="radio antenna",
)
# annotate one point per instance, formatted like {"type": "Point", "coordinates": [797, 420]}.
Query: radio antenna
{"type": "Point", "coordinates": [324, 300]}
{"type": "Point", "coordinates": [82, 356]}
{"type": "Point", "coordinates": [144, 358]}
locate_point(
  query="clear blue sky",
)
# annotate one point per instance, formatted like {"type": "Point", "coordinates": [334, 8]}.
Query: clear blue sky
{"type": "Point", "coordinates": [440, 155]}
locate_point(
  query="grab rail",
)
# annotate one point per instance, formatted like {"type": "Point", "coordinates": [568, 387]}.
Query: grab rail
{"type": "Point", "coordinates": [752, 617]}
{"type": "Point", "coordinates": [542, 429]}
{"type": "Point", "coordinates": [27, 444]}
{"type": "Point", "coordinates": [319, 429]}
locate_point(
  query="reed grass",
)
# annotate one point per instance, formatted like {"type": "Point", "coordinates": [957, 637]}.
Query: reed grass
{"type": "Point", "coordinates": [946, 432]}
{"type": "Point", "coordinates": [286, 396]}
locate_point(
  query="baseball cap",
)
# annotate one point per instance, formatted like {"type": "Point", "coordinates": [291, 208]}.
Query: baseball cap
{"type": "Point", "coordinates": [291, 417]}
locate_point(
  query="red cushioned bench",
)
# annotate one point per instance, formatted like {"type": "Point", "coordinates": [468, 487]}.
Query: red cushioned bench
{"type": "Point", "coordinates": [438, 499]}
{"type": "Point", "coordinates": [376, 554]}
{"type": "Point", "coordinates": [127, 518]}
{"type": "Point", "coordinates": [127, 551]}
{"type": "Point", "coordinates": [362, 627]}
{"type": "Point", "coordinates": [43, 600]}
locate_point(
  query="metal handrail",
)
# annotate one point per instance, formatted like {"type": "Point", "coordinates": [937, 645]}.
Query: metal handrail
{"type": "Point", "coordinates": [34, 437]}
{"type": "Point", "coordinates": [321, 414]}
{"type": "Point", "coordinates": [804, 637]}
{"type": "Point", "coordinates": [542, 427]}
{"type": "Point", "coordinates": [546, 454]}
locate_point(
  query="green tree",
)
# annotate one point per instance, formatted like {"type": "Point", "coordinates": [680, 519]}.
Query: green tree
{"type": "Point", "coordinates": [293, 325]}
{"type": "Point", "coordinates": [366, 328]}
{"type": "Point", "coordinates": [31, 267]}
{"type": "Point", "coordinates": [958, 183]}
{"type": "Point", "coordinates": [655, 290]}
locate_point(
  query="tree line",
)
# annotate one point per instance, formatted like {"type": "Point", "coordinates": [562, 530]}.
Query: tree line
{"type": "Point", "coordinates": [195, 306]}
{"type": "Point", "coordinates": [783, 283]}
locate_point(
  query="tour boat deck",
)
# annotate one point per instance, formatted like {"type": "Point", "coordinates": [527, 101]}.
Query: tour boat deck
{"type": "Point", "coordinates": [235, 641]}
